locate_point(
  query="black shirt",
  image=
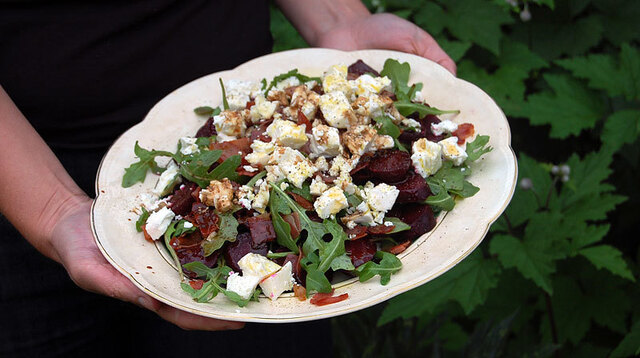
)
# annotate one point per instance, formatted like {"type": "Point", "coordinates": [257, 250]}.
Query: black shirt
{"type": "Point", "coordinates": [84, 72]}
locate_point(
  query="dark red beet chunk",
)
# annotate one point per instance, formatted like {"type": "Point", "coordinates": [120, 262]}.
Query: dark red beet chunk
{"type": "Point", "coordinates": [358, 232]}
{"type": "Point", "coordinates": [359, 68]}
{"type": "Point", "coordinates": [418, 216]}
{"type": "Point", "coordinates": [207, 130]}
{"type": "Point", "coordinates": [360, 251]}
{"type": "Point", "coordinates": [360, 173]}
{"type": "Point", "coordinates": [242, 246]}
{"type": "Point", "coordinates": [390, 166]}
{"type": "Point", "coordinates": [204, 218]}
{"type": "Point", "coordinates": [188, 248]}
{"type": "Point", "coordinates": [414, 189]}
{"type": "Point", "coordinates": [182, 199]}
{"type": "Point", "coordinates": [261, 229]}
{"type": "Point", "coordinates": [380, 229]}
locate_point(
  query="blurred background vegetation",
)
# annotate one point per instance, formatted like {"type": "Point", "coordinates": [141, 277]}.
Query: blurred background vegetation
{"type": "Point", "coordinates": [557, 275]}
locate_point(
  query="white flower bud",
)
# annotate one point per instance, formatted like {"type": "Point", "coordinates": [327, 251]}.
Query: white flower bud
{"type": "Point", "coordinates": [526, 183]}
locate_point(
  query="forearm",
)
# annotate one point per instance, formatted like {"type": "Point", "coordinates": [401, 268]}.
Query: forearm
{"type": "Point", "coordinates": [312, 18]}
{"type": "Point", "coordinates": [35, 189]}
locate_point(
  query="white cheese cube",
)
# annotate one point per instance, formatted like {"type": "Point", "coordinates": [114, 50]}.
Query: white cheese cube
{"type": "Point", "coordinates": [335, 80]}
{"type": "Point", "coordinates": [188, 145]}
{"type": "Point", "coordinates": [368, 84]}
{"type": "Point", "coordinates": [330, 202]}
{"type": "Point", "coordinates": [287, 134]}
{"type": "Point", "coordinates": [261, 152]}
{"type": "Point", "coordinates": [317, 186]}
{"type": "Point", "coordinates": [290, 164]}
{"type": "Point", "coordinates": [336, 109]}
{"type": "Point", "coordinates": [242, 285]}
{"type": "Point", "coordinates": [168, 179]}
{"type": "Point", "coordinates": [274, 285]}
{"type": "Point", "coordinates": [325, 141]}
{"type": "Point", "coordinates": [411, 123]}
{"type": "Point", "coordinates": [158, 222]}
{"type": "Point", "coordinates": [452, 151]}
{"type": "Point", "coordinates": [240, 92]}
{"type": "Point", "coordinates": [257, 265]}
{"type": "Point", "coordinates": [229, 125]}
{"type": "Point", "coordinates": [261, 199]}
{"type": "Point", "coordinates": [443, 127]}
{"type": "Point", "coordinates": [262, 109]}
{"type": "Point", "coordinates": [426, 157]}
{"type": "Point", "coordinates": [381, 197]}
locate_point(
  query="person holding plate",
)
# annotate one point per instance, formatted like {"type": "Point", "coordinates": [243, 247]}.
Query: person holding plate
{"type": "Point", "coordinates": [74, 76]}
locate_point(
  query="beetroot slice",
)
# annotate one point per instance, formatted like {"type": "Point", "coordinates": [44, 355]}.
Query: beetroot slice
{"type": "Point", "coordinates": [359, 68]}
{"type": "Point", "coordinates": [360, 251]}
{"type": "Point", "coordinates": [188, 248]}
{"type": "Point", "coordinates": [207, 130]}
{"type": "Point", "coordinates": [408, 136]}
{"type": "Point", "coordinates": [182, 199]}
{"type": "Point", "coordinates": [242, 246]}
{"type": "Point", "coordinates": [418, 216]}
{"type": "Point", "coordinates": [414, 189]}
{"type": "Point", "coordinates": [390, 166]}
{"type": "Point", "coordinates": [204, 218]}
{"type": "Point", "coordinates": [261, 229]}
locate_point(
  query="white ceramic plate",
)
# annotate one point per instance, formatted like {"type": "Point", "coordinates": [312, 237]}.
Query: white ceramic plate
{"type": "Point", "coordinates": [457, 233]}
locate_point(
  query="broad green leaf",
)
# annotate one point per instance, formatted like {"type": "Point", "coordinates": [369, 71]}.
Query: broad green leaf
{"type": "Point", "coordinates": [228, 231]}
{"type": "Point", "coordinates": [530, 261]}
{"type": "Point", "coordinates": [431, 17]}
{"type": "Point", "coordinates": [630, 344]}
{"type": "Point", "coordinates": [571, 310]}
{"type": "Point", "coordinates": [455, 49]}
{"type": "Point", "coordinates": [468, 283]}
{"type": "Point", "coordinates": [618, 76]}
{"type": "Point", "coordinates": [462, 21]}
{"type": "Point", "coordinates": [557, 34]}
{"type": "Point", "coordinates": [517, 55]}
{"type": "Point", "coordinates": [584, 235]}
{"type": "Point", "coordinates": [620, 128]}
{"type": "Point", "coordinates": [453, 336]}
{"type": "Point", "coordinates": [569, 108]}
{"type": "Point", "coordinates": [621, 19]}
{"type": "Point", "coordinates": [608, 257]}
{"type": "Point", "coordinates": [389, 264]}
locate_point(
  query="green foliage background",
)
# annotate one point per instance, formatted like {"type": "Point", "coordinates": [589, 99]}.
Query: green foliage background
{"type": "Point", "coordinates": [557, 275]}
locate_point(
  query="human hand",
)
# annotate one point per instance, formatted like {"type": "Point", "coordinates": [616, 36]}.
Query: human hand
{"type": "Point", "coordinates": [385, 31]}
{"type": "Point", "coordinates": [73, 243]}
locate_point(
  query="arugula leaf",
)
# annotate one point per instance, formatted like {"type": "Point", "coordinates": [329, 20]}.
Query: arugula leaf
{"type": "Point", "coordinates": [142, 219]}
{"type": "Point", "coordinates": [316, 279]}
{"type": "Point", "coordinates": [398, 224]}
{"type": "Point", "coordinates": [353, 199]}
{"type": "Point", "coordinates": [406, 108]}
{"type": "Point", "coordinates": [137, 171]}
{"type": "Point", "coordinates": [389, 264]}
{"type": "Point", "coordinates": [293, 73]}
{"type": "Point", "coordinates": [255, 178]}
{"type": "Point", "coordinates": [441, 199]}
{"type": "Point", "coordinates": [227, 169]}
{"type": "Point", "coordinates": [204, 142]}
{"type": "Point", "coordinates": [468, 190]}
{"type": "Point", "coordinates": [398, 73]}
{"type": "Point", "coordinates": [342, 262]}
{"type": "Point", "coordinates": [314, 230]}
{"type": "Point", "coordinates": [196, 167]}
{"type": "Point", "coordinates": [333, 248]}
{"type": "Point", "coordinates": [207, 111]}
{"type": "Point", "coordinates": [279, 255]}
{"type": "Point", "coordinates": [389, 128]}
{"type": "Point", "coordinates": [282, 228]}
{"type": "Point", "coordinates": [477, 148]}
{"type": "Point", "coordinates": [225, 104]}
{"type": "Point", "coordinates": [228, 231]}
{"type": "Point", "coordinates": [211, 288]}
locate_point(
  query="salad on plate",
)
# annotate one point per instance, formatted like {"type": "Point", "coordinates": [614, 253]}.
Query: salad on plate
{"type": "Point", "coordinates": [299, 182]}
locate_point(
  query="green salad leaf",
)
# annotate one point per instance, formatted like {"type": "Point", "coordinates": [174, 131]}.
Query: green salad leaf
{"type": "Point", "coordinates": [398, 224]}
{"type": "Point", "coordinates": [279, 206]}
{"type": "Point", "coordinates": [477, 148]}
{"type": "Point", "coordinates": [207, 111]}
{"type": "Point", "coordinates": [142, 219]}
{"type": "Point", "coordinates": [225, 104]}
{"type": "Point", "coordinates": [137, 171]}
{"type": "Point", "coordinates": [389, 264]}
{"type": "Point", "coordinates": [293, 73]}
{"type": "Point", "coordinates": [386, 126]}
